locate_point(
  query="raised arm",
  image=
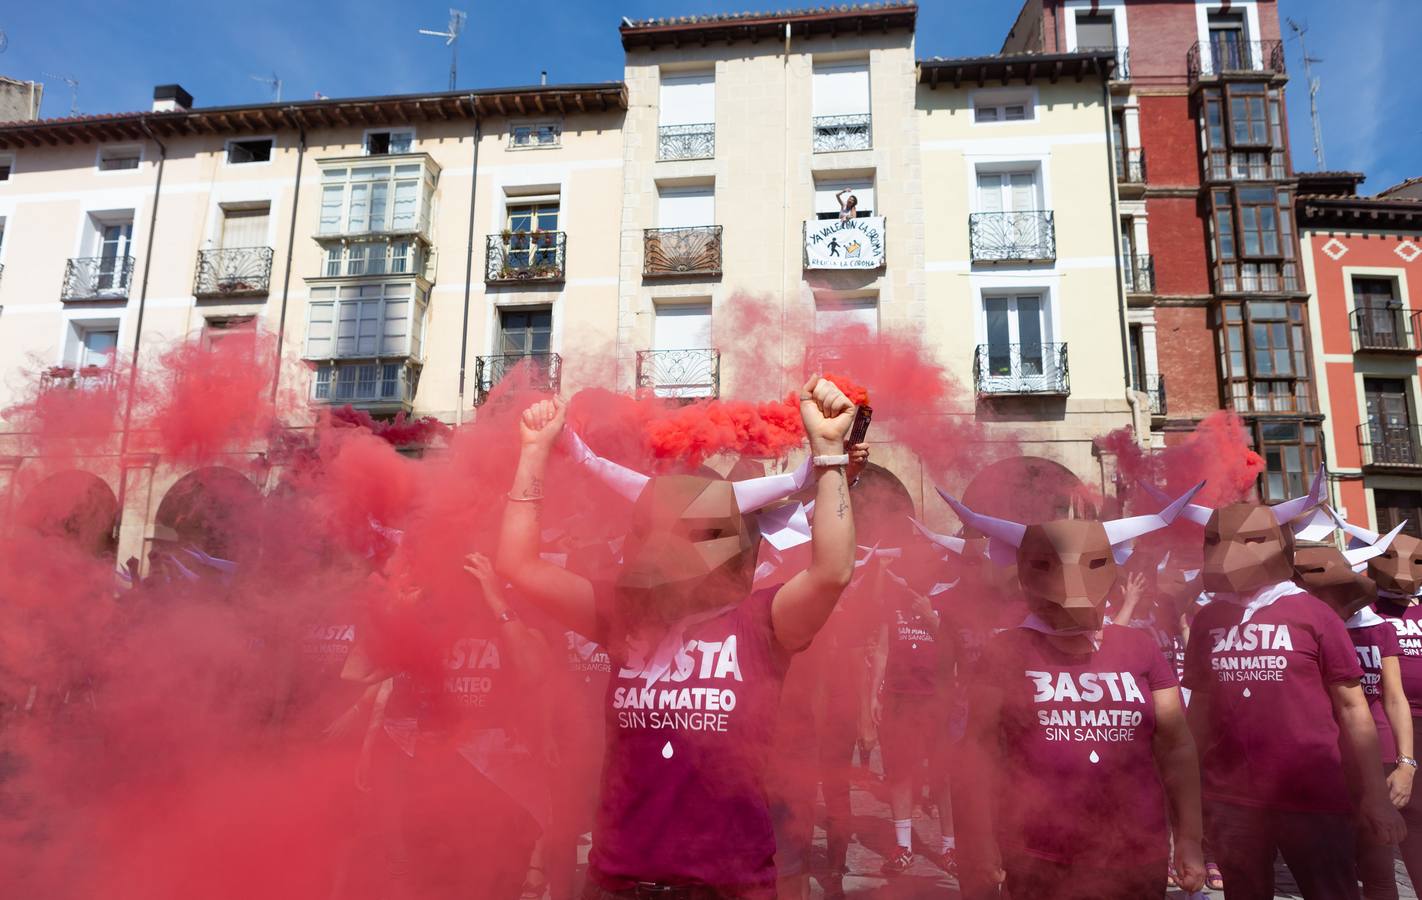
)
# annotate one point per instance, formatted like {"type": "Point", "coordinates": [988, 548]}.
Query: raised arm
{"type": "Point", "coordinates": [1359, 743]}
{"type": "Point", "coordinates": [566, 597]}
{"type": "Point", "coordinates": [803, 603]}
{"type": "Point", "coordinates": [1180, 774]}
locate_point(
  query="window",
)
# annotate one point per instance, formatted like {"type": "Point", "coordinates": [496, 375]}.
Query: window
{"type": "Point", "coordinates": [1008, 192]}
{"type": "Point", "coordinates": [535, 134]}
{"type": "Point", "coordinates": [387, 257]}
{"type": "Point", "coordinates": [96, 346]}
{"type": "Point", "coordinates": [1228, 48]}
{"type": "Point", "coordinates": [1264, 354]}
{"type": "Point", "coordinates": [228, 330]}
{"type": "Point", "coordinates": [827, 207]}
{"type": "Point", "coordinates": [1248, 115]}
{"type": "Point", "coordinates": [376, 198]}
{"type": "Point", "coordinates": [1002, 106]}
{"type": "Point", "coordinates": [112, 240]}
{"type": "Point", "coordinates": [7, 166]}
{"type": "Point", "coordinates": [1245, 240]}
{"type": "Point", "coordinates": [257, 150]}
{"type": "Point", "coordinates": [841, 89]}
{"type": "Point", "coordinates": [686, 207]}
{"type": "Point", "coordinates": [687, 98]}
{"type": "Point", "coordinates": [1394, 506]}
{"type": "Point", "coordinates": [1095, 31]}
{"type": "Point", "coordinates": [382, 143]}
{"type": "Point", "coordinates": [1379, 322]}
{"type": "Point", "coordinates": [244, 227]}
{"type": "Point", "coordinates": [1258, 222]}
{"type": "Point", "coordinates": [365, 320]}
{"type": "Point", "coordinates": [525, 220]}
{"type": "Point", "coordinates": [1291, 457]}
{"type": "Point", "coordinates": [682, 326]}
{"type": "Point", "coordinates": [112, 159]}
{"type": "Point", "coordinates": [1015, 327]}
{"type": "Point", "coordinates": [524, 332]}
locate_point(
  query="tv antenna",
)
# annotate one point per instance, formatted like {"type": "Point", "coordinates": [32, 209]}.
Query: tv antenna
{"type": "Point", "coordinates": [4, 40]}
{"type": "Point", "coordinates": [1301, 30]}
{"type": "Point", "coordinates": [273, 82]}
{"type": "Point", "coordinates": [73, 90]}
{"type": "Point", "coordinates": [457, 18]}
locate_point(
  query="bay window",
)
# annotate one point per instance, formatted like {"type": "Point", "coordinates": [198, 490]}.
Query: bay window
{"type": "Point", "coordinates": [1264, 357]}
{"type": "Point", "coordinates": [1241, 128]}
{"type": "Point", "coordinates": [363, 199]}
{"type": "Point", "coordinates": [1252, 240]}
{"type": "Point", "coordinates": [371, 321]}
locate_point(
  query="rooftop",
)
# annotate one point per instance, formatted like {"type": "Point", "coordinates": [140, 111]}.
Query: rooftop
{"type": "Point", "coordinates": [1005, 67]}
{"type": "Point", "coordinates": [390, 109]}
{"type": "Point", "coordinates": [844, 18]}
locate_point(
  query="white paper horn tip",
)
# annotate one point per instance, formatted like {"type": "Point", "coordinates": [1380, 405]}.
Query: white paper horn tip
{"type": "Point", "coordinates": [1359, 556]}
{"type": "Point", "coordinates": [753, 493]}
{"type": "Point", "coordinates": [1291, 509]}
{"type": "Point", "coordinates": [1122, 531]}
{"type": "Point", "coordinates": [956, 544]}
{"type": "Point", "coordinates": [628, 483]}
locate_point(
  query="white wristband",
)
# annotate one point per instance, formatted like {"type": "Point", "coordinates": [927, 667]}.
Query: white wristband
{"type": "Point", "coordinates": [828, 461]}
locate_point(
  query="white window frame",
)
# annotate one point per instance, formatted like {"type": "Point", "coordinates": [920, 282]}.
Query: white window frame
{"type": "Point", "coordinates": [227, 150]}
{"type": "Point", "coordinates": [331, 297]}
{"type": "Point", "coordinates": [673, 189]}
{"type": "Point", "coordinates": [424, 195]}
{"type": "Point", "coordinates": [107, 149]}
{"type": "Point", "coordinates": [71, 345]}
{"type": "Point", "coordinates": [533, 126]}
{"type": "Point", "coordinates": [826, 66]}
{"type": "Point", "coordinates": [1116, 9]}
{"type": "Point", "coordinates": [1000, 99]}
{"type": "Point", "coordinates": [1015, 167]}
{"type": "Point", "coordinates": [365, 140]}
{"type": "Point", "coordinates": [860, 186]}
{"type": "Point", "coordinates": [829, 300]}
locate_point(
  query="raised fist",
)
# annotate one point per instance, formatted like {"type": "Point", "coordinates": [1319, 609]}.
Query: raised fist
{"type": "Point", "coordinates": [541, 423]}
{"type": "Point", "coordinates": [827, 414]}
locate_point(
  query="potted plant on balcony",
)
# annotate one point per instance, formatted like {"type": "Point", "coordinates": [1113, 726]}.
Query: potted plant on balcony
{"type": "Point", "coordinates": [60, 372]}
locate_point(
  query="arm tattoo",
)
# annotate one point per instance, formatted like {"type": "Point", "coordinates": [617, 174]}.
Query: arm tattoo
{"type": "Point", "coordinates": [535, 489]}
{"type": "Point", "coordinates": [843, 500]}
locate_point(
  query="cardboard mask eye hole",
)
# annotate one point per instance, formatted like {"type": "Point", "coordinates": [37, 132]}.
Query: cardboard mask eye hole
{"type": "Point", "coordinates": [1254, 540]}
{"type": "Point", "coordinates": [1098, 563]}
{"type": "Point", "coordinates": [1041, 565]}
{"type": "Point", "coordinates": [697, 535]}
{"type": "Point", "coordinates": [1211, 539]}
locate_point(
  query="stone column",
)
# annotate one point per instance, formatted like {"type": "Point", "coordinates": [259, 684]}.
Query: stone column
{"type": "Point", "coordinates": [137, 475]}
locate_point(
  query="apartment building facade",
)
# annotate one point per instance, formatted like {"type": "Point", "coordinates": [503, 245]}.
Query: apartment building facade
{"type": "Point", "coordinates": [353, 230]}
{"type": "Point", "coordinates": [1218, 301]}
{"type": "Point", "coordinates": [1362, 258]}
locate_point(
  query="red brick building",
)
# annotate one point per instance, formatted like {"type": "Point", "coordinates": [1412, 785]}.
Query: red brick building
{"type": "Point", "coordinates": [1363, 258]}
{"type": "Point", "coordinates": [1205, 195]}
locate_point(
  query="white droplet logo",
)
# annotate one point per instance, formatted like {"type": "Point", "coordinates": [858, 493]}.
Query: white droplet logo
{"type": "Point", "coordinates": [1246, 692]}
{"type": "Point", "coordinates": [667, 750]}
{"type": "Point", "coordinates": [1094, 758]}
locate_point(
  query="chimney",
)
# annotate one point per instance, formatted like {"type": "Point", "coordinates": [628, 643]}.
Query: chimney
{"type": "Point", "coordinates": [171, 98]}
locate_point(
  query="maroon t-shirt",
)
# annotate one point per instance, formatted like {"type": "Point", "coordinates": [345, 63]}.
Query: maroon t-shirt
{"type": "Point", "coordinates": [1407, 622]}
{"type": "Point", "coordinates": [1270, 740]}
{"type": "Point", "coordinates": [683, 789]}
{"type": "Point", "coordinates": [1079, 782]}
{"type": "Point", "coordinates": [914, 662]}
{"type": "Point", "coordinates": [1373, 644]}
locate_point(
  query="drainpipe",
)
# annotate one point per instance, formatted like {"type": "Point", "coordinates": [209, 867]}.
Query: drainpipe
{"type": "Point", "coordinates": [290, 249]}
{"type": "Point", "coordinates": [138, 325]}
{"type": "Point", "coordinates": [785, 199]}
{"type": "Point", "coordinates": [468, 266]}
{"type": "Point", "coordinates": [1132, 400]}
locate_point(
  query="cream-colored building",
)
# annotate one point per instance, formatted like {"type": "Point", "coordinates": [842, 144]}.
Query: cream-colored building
{"type": "Point", "coordinates": [1021, 252]}
{"type": "Point", "coordinates": [352, 230]}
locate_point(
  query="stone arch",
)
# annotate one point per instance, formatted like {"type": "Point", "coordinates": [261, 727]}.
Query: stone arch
{"type": "Point", "coordinates": [74, 505]}
{"type": "Point", "coordinates": [1030, 490]}
{"type": "Point", "coordinates": [213, 509]}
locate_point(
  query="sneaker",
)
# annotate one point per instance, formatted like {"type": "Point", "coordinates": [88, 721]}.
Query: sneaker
{"type": "Point", "coordinates": [949, 862]}
{"type": "Point", "coordinates": [899, 862]}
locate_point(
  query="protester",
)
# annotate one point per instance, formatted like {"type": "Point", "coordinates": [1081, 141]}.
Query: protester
{"type": "Point", "coordinates": [848, 205]}
{"type": "Point", "coordinates": [1282, 724]}
{"type": "Point", "coordinates": [682, 804]}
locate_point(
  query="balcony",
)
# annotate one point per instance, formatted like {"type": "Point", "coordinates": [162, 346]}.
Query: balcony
{"type": "Point", "coordinates": [686, 141]}
{"type": "Point", "coordinates": [541, 372]}
{"type": "Point", "coordinates": [1264, 277]}
{"type": "Point", "coordinates": [97, 278]}
{"type": "Point", "coordinates": [679, 374]}
{"type": "Point", "coordinates": [233, 272]}
{"type": "Point", "coordinates": [1221, 59]}
{"type": "Point", "coordinates": [1153, 387]}
{"type": "Point", "coordinates": [1266, 397]}
{"type": "Point", "coordinates": [1387, 329]}
{"type": "Point", "coordinates": [671, 252]}
{"type": "Point", "coordinates": [1131, 166]}
{"type": "Point", "coordinates": [1021, 369]}
{"type": "Point", "coordinates": [1390, 446]}
{"type": "Point", "coordinates": [831, 134]}
{"type": "Point", "coordinates": [93, 379]}
{"type": "Point", "coordinates": [1246, 165]}
{"type": "Point", "coordinates": [379, 386]}
{"type": "Point", "coordinates": [1140, 274]}
{"type": "Point", "coordinates": [1021, 237]}
{"type": "Point", "coordinates": [525, 257]}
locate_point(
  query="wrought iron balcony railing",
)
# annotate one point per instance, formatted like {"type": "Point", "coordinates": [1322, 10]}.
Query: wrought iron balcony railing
{"type": "Point", "coordinates": [1006, 369]}
{"type": "Point", "coordinates": [679, 374]}
{"type": "Point", "coordinates": [522, 256]}
{"type": "Point", "coordinates": [686, 141]}
{"type": "Point", "coordinates": [681, 251]}
{"type": "Point", "coordinates": [1390, 446]}
{"type": "Point", "coordinates": [367, 384]}
{"type": "Point", "coordinates": [1386, 329]}
{"type": "Point", "coordinates": [1013, 236]}
{"type": "Point", "coordinates": [1130, 165]}
{"type": "Point", "coordinates": [1140, 274]}
{"type": "Point", "coordinates": [83, 378]}
{"type": "Point", "coordinates": [1153, 386]}
{"type": "Point", "coordinates": [830, 134]}
{"type": "Point", "coordinates": [1234, 57]}
{"type": "Point", "coordinates": [233, 272]}
{"type": "Point", "coordinates": [97, 278]}
{"type": "Point", "coordinates": [1123, 60]}
{"type": "Point", "coordinates": [542, 372]}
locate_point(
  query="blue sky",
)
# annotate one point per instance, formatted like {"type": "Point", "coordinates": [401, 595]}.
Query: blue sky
{"type": "Point", "coordinates": [118, 51]}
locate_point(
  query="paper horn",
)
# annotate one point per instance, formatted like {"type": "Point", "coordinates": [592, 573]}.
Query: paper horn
{"type": "Point", "coordinates": [1291, 509]}
{"type": "Point", "coordinates": [1193, 512]}
{"type": "Point", "coordinates": [1360, 535]}
{"type": "Point", "coordinates": [626, 482]}
{"type": "Point", "coordinates": [1121, 532]}
{"type": "Point", "coordinates": [1318, 526]}
{"type": "Point", "coordinates": [1358, 557]}
{"type": "Point", "coordinates": [956, 544]}
{"type": "Point", "coordinates": [1004, 536]}
{"type": "Point", "coordinates": [753, 493]}
{"type": "Point", "coordinates": [786, 526]}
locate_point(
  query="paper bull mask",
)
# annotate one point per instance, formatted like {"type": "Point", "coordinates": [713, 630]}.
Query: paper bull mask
{"type": "Point", "coordinates": [1397, 571]}
{"type": "Point", "coordinates": [1066, 567]}
{"type": "Point", "coordinates": [693, 540]}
